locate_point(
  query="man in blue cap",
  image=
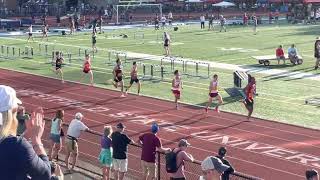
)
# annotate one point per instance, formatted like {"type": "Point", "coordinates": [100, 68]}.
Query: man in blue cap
{"type": "Point", "coordinates": [150, 144]}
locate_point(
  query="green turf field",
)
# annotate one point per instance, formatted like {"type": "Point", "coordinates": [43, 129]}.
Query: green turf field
{"type": "Point", "coordinates": [280, 98]}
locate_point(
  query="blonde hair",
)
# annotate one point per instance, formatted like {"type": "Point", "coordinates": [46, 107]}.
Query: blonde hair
{"type": "Point", "coordinates": [107, 131]}
{"type": "Point", "coordinates": [9, 124]}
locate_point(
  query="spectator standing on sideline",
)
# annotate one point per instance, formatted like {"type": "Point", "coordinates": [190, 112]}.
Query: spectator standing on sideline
{"type": "Point", "coordinates": [222, 23]}
{"type": "Point", "coordinates": [312, 175]}
{"type": "Point", "coordinates": [170, 18]}
{"type": "Point", "coordinates": [73, 133]}
{"type": "Point", "coordinates": [280, 54]}
{"type": "Point", "coordinates": [276, 16]}
{"type": "Point", "coordinates": [55, 134]}
{"type": "Point", "coordinates": [245, 19]}
{"type": "Point", "coordinates": [202, 21]}
{"type": "Point", "coordinates": [212, 168]}
{"type": "Point", "coordinates": [150, 143]}
{"type": "Point", "coordinates": [182, 156]}
{"type": "Point", "coordinates": [163, 21]}
{"type": "Point", "coordinates": [56, 172]}
{"type": "Point", "coordinates": [211, 22]}
{"type": "Point", "coordinates": [221, 155]}
{"type": "Point", "coordinates": [22, 117]}
{"type": "Point", "coordinates": [120, 142]}
{"type": "Point", "coordinates": [21, 159]}
{"type": "Point", "coordinates": [255, 24]}
{"type": "Point", "coordinates": [105, 156]}
{"type": "Point", "coordinates": [317, 52]}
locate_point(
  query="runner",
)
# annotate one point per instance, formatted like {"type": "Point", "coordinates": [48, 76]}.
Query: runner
{"type": "Point", "coordinates": [94, 41]}
{"type": "Point", "coordinates": [45, 31]}
{"type": "Point", "coordinates": [166, 43]}
{"type": "Point", "coordinates": [58, 66]}
{"type": "Point", "coordinates": [117, 74]}
{"type": "Point", "coordinates": [250, 91]}
{"type": "Point", "coordinates": [87, 69]}
{"type": "Point", "coordinates": [30, 33]}
{"type": "Point", "coordinates": [214, 93]}
{"type": "Point", "coordinates": [134, 78]}
{"type": "Point", "coordinates": [176, 87]}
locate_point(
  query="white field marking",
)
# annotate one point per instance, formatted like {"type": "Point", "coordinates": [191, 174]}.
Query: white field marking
{"type": "Point", "coordinates": [170, 100]}
{"type": "Point", "coordinates": [232, 49]}
{"type": "Point", "coordinates": [144, 109]}
{"type": "Point", "coordinates": [197, 148]}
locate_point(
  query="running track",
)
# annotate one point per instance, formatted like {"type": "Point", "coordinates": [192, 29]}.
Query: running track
{"type": "Point", "coordinates": [260, 148]}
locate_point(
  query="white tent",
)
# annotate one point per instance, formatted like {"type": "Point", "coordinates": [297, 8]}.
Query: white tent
{"type": "Point", "coordinates": [193, 1]}
{"type": "Point", "coordinates": [223, 4]}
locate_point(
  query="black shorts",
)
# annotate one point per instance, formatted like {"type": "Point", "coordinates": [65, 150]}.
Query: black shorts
{"type": "Point", "coordinates": [30, 34]}
{"type": "Point", "coordinates": [58, 67]}
{"type": "Point", "coordinates": [249, 103]}
{"type": "Point", "coordinates": [118, 80]}
{"type": "Point", "coordinates": [136, 80]}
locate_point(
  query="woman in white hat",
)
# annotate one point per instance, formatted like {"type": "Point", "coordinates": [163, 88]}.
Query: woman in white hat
{"type": "Point", "coordinates": [21, 159]}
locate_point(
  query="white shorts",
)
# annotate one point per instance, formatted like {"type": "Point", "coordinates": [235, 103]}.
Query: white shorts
{"type": "Point", "coordinates": [120, 165]}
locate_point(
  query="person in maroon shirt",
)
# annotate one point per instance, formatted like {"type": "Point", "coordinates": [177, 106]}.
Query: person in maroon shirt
{"type": "Point", "coordinates": [280, 54]}
{"type": "Point", "coordinates": [150, 143]}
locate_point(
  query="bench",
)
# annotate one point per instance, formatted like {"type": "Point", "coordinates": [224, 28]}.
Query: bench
{"type": "Point", "coordinates": [265, 60]}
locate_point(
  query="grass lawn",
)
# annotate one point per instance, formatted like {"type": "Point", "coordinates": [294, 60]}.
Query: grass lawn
{"type": "Point", "coordinates": [280, 98]}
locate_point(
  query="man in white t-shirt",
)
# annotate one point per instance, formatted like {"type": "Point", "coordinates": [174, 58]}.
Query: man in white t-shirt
{"type": "Point", "coordinates": [212, 168]}
{"type": "Point", "coordinates": [74, 131]}
{"type": "Point", "coordinates": [202, 21]}
{"type": "Point", "coordinates": [163, 21]}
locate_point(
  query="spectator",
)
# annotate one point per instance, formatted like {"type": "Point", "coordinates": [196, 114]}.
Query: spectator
{"type": "Point", "coordinates": [150, 143]}
{"type": "Point", "coordinates": [212, 168]}
{"type": "Point", "coordinates": [221, 155]}
{"type": "Point", "coordinates": [182, 156]}
{"type": "Point", "coordinates": [105, 156]}
{"type": "Point", "coordinates": [293, 54]}
{"type": "Point", "coordinates": [245, 19]}
{"type": "Point", "coordinates": [120, 142]}
{"type": "Point", "coordinates": [55, 134]}
{"type": "Point", "coordinates": [74, 131]}
{"type": "Point", "coordinates": [21, 159]}
{"type": "Point", "coordinates": [312, 175]}
{"type": "Point", "coordinates": [280, 54]}
{"type": "Point", "coordinates": [22, 117]}
{"type": "Point", "coordinates": [317, 52]}
{"type": "Point", "coordinates": [163, 21]}
{"type": "Point", "coordinates": [202, 21]}
{"type": "Point", "coordinates": [56, 173]}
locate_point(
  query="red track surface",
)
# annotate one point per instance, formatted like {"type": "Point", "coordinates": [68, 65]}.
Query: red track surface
{"type": "Point", "coordinates": [263, 155]}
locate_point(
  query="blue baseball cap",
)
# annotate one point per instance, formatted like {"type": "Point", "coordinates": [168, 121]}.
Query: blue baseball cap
{"type": "Point", "coordinates": [154, 128]}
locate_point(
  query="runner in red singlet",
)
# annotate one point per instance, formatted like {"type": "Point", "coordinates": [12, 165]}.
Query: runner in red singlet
{"type": "Point", "coordinates": [250, 92]}
{"type": "Point", "coordinates": [176, 87]}
{"type": "Point", "coordinates": [87, 69]}
{"type": "Point", "coordinates": [214, 93]}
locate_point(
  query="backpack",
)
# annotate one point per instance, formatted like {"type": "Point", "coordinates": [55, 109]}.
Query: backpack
{"type": "Point", "coordinates": [171, 162]}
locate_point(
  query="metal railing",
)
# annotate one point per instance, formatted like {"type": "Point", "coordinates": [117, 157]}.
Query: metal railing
{"type": "Point", "coordinates": [192, 169]}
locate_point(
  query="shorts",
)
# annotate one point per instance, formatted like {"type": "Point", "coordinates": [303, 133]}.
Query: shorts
{"type": "Point", "coordinates": [281, 57]}
{"type": "Point", "coordinates": [149, 168]}
{"type": "Point", "coordinates": [71, 145]}
{"type": "Point", "coordinates": [176, 93]}
{"type": "Point", "coordinates": [163, 23]}
{"type": "Point", "coordinates": [213, 95]}
{"type": "Point", "coordinates": [55, 138]}
{"type": "Point", "coordinates": [166, 45]}
{"type": "Point", "coordinates": [58, 67]}
{"type": "Point", "coordinates": [86, 70]}
{"type": "Point", "coordinates": [94, 42]}
{"type": "Point", "coordinates": [118, 80]}
{"type": "Point", "coordinates": [120, 165]}
{"type": "Point", "coordinates": [105, 157]}
{"type": "Point", "coordinates": [136, 80]}
{"type": "Point", "coordinates": [249, 103]}
{"type": "Point", "coordinates": [30, 34]}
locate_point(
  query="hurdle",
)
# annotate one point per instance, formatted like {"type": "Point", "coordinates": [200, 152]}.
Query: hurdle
{"type": "Point", "coordinates": [178, 61]}
{"type": "Point", "coordinates": [43, 49]}
{"type": "Point", "coordinates": [28, 52]}
{"type": "Point", "coordinates": [9, 52]}
{"type": "Point", "coordinates": [197, 72]}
